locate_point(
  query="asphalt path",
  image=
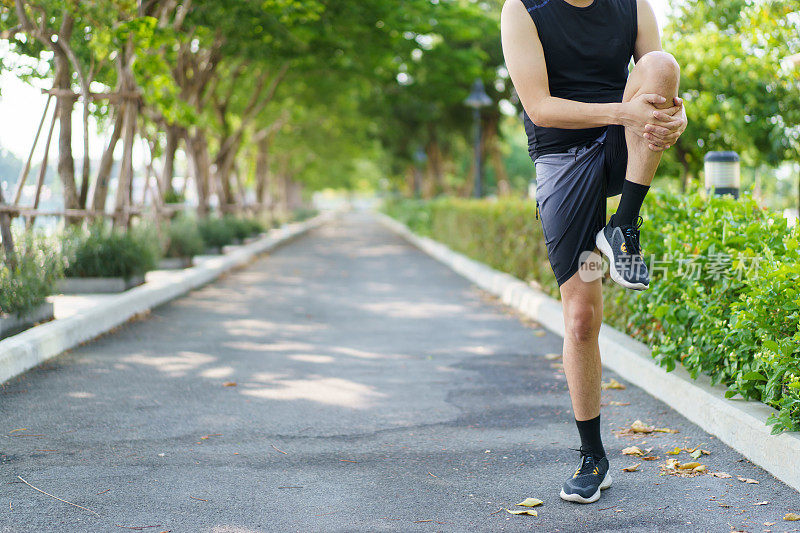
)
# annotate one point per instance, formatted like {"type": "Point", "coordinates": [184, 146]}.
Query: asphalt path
{"type": "Point", "coordinates": [347, 382]}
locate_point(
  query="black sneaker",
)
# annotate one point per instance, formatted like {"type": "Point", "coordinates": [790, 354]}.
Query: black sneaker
{"type": "Point", "coordinates": [590, 478]}
{"type": "Point", "coordinates": [621, 246]}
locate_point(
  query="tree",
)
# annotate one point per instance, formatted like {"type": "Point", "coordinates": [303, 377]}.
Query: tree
{"type": "Point", "coordinates": [739, 94]}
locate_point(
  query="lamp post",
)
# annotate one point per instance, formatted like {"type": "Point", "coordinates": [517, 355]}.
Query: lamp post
{"type": "Point", "coordinates": [477, 100]}
{"type": "Point", "coordinates": [419, 161]}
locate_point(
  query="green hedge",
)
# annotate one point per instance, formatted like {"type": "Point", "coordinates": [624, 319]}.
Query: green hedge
{"type": "Point", "coordinates": [303, 213]}
{"type": "Point", "coordinates": [183, 238]}
{"type": "Point", "coordinates": [505, 235]}
{"type": "Point", "coordinates": [39, 267]}
{"type": "Point", "coordinates": [216, 232]}
{"type": "Point", "coordinates": [221, 231]}
{"type": "Point", "coordinates": [738, 321]}
{"type": "Point", "coordinates": [103, 252]}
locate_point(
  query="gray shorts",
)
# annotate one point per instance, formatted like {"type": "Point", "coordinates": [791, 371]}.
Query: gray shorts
{"type": "Point", "coordinates": [571, 192]}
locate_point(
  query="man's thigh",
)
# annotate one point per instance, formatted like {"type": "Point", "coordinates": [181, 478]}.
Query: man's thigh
{"type": "Point", "coordinates": [571, 205]}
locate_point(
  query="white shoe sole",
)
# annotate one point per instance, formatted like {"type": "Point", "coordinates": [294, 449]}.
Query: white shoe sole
{"type": "Point", "coordinates": [605, 248]}
{"type": "Point", "coordinates": [577, 498]}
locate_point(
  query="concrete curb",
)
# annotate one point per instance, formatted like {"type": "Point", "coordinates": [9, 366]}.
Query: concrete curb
{"type": "Point", "coordinates": [738, 423]}
{"type": "Point", "coordinates": [29, 348]}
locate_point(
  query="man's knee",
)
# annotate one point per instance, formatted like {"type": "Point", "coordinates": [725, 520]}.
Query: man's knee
{"type": "Point", "coordinates": [583, 322]}
{"type": "Point", "coordinates": [660, 67]}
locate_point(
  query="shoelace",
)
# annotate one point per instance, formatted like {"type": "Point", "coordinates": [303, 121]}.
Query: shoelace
{"type": "Point", "coordinates": [631, 234]}
{"type": "Point", "coordinates": [588, 463]}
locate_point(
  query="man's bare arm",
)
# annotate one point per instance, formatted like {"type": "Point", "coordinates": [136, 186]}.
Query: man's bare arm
{"type": "Point", "coordinates": [526, 65]}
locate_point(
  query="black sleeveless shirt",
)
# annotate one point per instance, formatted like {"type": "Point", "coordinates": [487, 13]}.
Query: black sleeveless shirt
{"type": "Point", "coordinates": [587, 51]}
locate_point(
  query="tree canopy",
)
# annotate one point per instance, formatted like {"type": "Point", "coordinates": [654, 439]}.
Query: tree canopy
{"type": "Point", "coordinates": [266, 97]}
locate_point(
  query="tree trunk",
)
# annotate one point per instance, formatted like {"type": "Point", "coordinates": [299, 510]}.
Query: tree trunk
{"type": "Point", "coordinates": [434, 177]}
{"type": "Point", "coordinates": [64, 105]}
{"type": "Point", "coordinates": [282, 188]}
{"type": "Point", "coordinates": [262, 172]}
{"type": "Point", "coordinates": [295, 194]}
{"type": "Point", "coordinates": [197, 148]}
{"type": "Point", "coordinates": [86, 166]}
{"type": "Point", "coordinates": [125, 181]}
{"type": "Point", "coordinates": [223, 163]}
{"type": "Point", "coordinates": [492, 147]}
{"type": "Point", "coordinates": [100, 192]}
{"type": "Point", "coordinates": [168, 170]}
{"type": "Point", "coordinates": [5, 235]}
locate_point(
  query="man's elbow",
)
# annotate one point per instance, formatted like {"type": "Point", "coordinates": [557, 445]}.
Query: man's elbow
{"type": "Point", "coordinates": [540, 117]}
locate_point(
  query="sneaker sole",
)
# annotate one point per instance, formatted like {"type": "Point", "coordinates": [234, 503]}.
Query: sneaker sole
{"type": "Point", "coordinates": [605, 249]}
{"type": "Point", "coordinates": [577, 498]}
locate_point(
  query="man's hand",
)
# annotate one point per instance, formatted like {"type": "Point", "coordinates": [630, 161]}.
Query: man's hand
{"type": "Point", "coordinates": [660, 127]}
{"type": "Point", "coordinates": [671, 124]}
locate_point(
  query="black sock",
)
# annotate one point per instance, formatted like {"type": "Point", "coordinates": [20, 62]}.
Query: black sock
{"type": "Point", "coordinates": [632, 197]}
{"type": "Point", "coordinates": [591, 441]}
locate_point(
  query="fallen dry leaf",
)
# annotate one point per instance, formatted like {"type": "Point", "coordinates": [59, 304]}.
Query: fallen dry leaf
{"type": "Point", "coordinates": [665, 430]}
{"type": "Point", "coordinates": [531, 512]}
{"type": "Point", "coordinates": [632, 468]}
{"type": "Point", "coordinates": [746, 479]}
{"type": "Point", "coordinates": [723, 475]}
{"type": "Point", "coordinates": [696, 454]}
{"type": "Point", "coordinates": [530, 502]}
{"type": "Point", "coordinates": [792, 517]}
{"type": "Point", "coordinates": [612, 384]}
{"type": "Point", "coordinates": [639, 427]}
{"type": "Point", "coordinates": [676, 451]}
{"type": "Point", "coordinates": [229, 384]}
{"type": "Point", "coordinates": [633, 450]}
{"type": "Point", "coordinates": [761, 503]}
{"type": "Point", "coordinates": [619, 404]}
{"type": "Point", "coordinates": [651, 458]}
{"type": "Point", "coordinates": [673, 468]}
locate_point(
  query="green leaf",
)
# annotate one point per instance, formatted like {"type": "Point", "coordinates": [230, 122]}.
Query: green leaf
{"type": "Point", "coordinates": [772, 346]}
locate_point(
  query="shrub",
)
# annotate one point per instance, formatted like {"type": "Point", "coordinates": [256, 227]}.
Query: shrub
{"type": "Point", "coordinates": [504, 234]}
{"type": "Point", "coordinates": [216, 232]}
{"type": "Point", "coordinates": [173, 197]}
{"type": "Point", "coordinates": [303, 213]}
{"type": "Point", "coordinates": [240, 227]}
{"type": "Point", "coordinates": [38, 268]}
{"type": "Point", "coordinates": [255, 226]}
{"type": "Point", "coordinates": [183, 239]}
{"type": "Point", "coordinates": [103, 252]}
{"type": "Point", "coordinates": [738, 322]}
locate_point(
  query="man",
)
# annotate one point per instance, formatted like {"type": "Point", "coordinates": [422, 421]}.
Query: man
{"type": "Point", "coordinates": [594, 130]}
